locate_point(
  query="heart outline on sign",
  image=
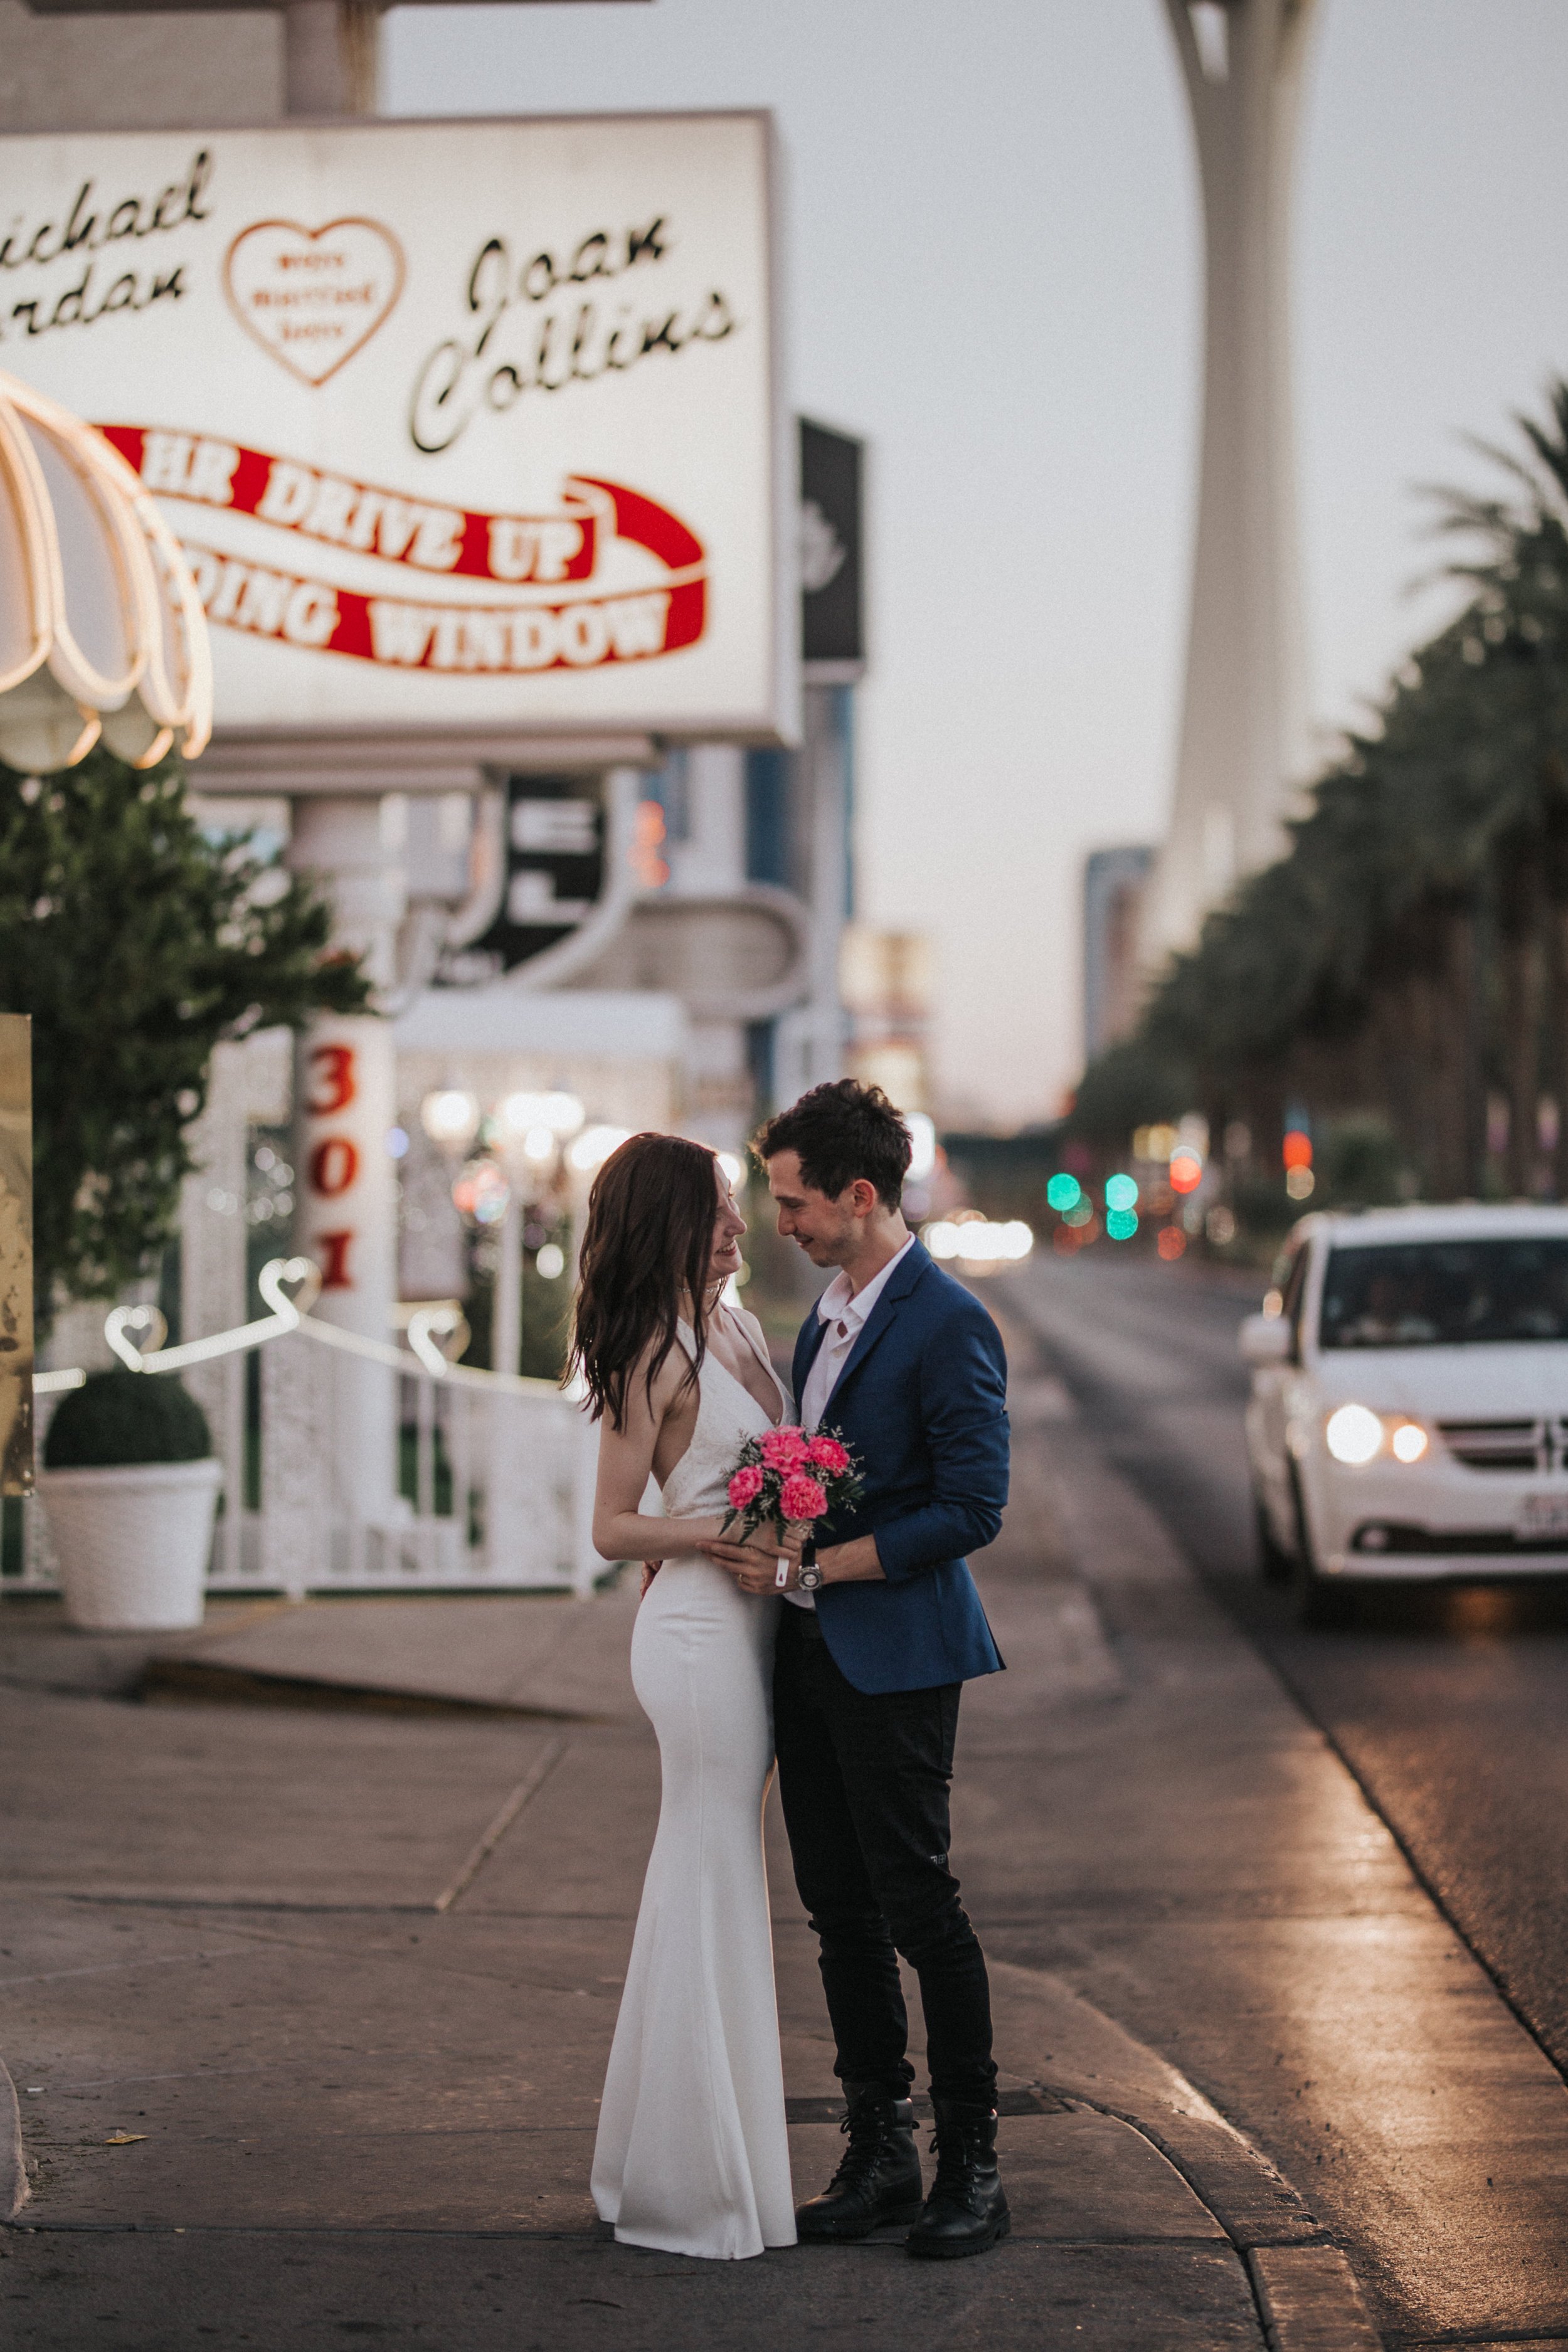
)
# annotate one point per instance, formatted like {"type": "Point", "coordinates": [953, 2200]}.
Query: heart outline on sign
{"type": "Point", "coordinates": [311, 236]}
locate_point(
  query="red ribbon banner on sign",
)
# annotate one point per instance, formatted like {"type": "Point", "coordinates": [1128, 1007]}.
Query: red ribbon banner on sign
{"type": "Point", "coordinates": [523, 553]}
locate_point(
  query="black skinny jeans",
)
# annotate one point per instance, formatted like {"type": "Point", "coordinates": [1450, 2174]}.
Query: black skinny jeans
{"type": "Point", "coordinates": [864, 1779]}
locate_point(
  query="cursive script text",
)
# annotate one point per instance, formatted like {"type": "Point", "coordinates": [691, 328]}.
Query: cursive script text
{"type": "Point", "coordinates": [559, 343]}
{"type": "Point", "coordinates": [86, 229]}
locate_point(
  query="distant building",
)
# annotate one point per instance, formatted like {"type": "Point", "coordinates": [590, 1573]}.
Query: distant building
{"type": "Point", "coordinates": [885, 977]}
{"type": "Point", "coordinates": [1114, 883]}
{"type": "Point", "coordinates": [798, 806]}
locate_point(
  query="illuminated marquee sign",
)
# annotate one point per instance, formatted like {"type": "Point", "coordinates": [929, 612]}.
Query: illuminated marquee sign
{"type": "Point", "coordinates": [459, 425]}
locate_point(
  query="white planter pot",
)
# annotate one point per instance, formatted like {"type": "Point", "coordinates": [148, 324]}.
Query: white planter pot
{"type": "Point", "coordinates": [132, 1542]}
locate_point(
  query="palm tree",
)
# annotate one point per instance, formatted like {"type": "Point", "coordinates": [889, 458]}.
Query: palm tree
{"type": "Point", "coordinates": [1410, 954]}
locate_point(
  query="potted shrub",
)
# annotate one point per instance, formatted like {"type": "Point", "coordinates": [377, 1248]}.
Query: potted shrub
{"type": "Point", "coordinates": [130, 1489]}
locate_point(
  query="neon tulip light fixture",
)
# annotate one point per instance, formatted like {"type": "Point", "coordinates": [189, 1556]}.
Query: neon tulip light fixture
{"type": "Point", "coordinates": [101, 634]}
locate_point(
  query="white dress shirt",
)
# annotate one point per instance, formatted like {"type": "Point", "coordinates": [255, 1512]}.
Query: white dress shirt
{"type": "Point", "coordinates": [845, 1316]}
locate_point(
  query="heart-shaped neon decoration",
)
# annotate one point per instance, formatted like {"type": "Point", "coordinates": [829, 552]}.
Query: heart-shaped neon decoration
{"type": "Point", "coordinates": [290, 1285]}
{"type": "Point", "coordinates": [134, 1333]}
{"type": "Point", "coordinates": [438, 1335]}
{"type": "Point", "coordinates": [313, 296]}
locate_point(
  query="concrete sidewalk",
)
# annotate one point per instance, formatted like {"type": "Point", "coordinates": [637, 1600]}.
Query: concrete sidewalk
{"type": "Point", "coordinates": [308, 2002]}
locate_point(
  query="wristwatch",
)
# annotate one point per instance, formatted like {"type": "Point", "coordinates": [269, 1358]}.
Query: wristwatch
{"type": "Point", "coordinates": [810, 1575]}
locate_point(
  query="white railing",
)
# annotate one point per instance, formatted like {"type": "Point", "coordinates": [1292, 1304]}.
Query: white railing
{"type": "Point", "coordinates": [491, 1486]}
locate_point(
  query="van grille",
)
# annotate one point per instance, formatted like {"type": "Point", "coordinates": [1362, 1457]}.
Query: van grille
{"type": "Point", "coordinates": [1506, 1445]}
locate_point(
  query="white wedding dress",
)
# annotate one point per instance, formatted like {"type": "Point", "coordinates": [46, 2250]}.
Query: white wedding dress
{"type": "Point", "coordinates": [692, 2155]}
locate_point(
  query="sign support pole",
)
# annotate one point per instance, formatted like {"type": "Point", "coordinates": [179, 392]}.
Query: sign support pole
{"type": "Point", "coordinates": [345, 1107]}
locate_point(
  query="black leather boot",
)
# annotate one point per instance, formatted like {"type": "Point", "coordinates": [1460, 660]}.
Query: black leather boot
{"type": "Point", "coordinates": [966, 2210]}
{"type": "Point", "coordinates": [878, 2179]}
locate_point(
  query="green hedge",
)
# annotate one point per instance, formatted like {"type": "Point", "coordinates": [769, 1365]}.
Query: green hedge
{"type": "Point", "coordinates": [123, 1417]}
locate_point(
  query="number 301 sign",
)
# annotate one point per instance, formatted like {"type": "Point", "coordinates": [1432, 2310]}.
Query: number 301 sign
{"type": "Point", "coordinates": [345, 1188]}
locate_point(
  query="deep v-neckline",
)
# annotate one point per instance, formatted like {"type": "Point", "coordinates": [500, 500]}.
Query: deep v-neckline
{"type": "Point", "coordinates": [735, 1381]}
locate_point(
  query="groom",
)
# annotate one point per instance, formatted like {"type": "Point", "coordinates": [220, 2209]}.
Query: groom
{"type": "Point", "coordinates": [879, 1635]}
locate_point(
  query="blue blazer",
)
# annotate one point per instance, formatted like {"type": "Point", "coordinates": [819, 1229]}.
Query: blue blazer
{"type": "Point", "coordinates": [921, 1403]}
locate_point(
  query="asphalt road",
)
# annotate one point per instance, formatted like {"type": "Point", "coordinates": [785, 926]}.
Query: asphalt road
{"type": "Point", "coordinates": [1449, 1705]}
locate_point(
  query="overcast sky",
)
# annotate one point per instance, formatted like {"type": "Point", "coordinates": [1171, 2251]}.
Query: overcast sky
{"type": "Point", "coordinates": [993, 274]}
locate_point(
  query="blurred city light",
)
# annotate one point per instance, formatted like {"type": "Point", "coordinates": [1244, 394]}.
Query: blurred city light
{"type": "Point", "coordinates": [734, 1169]}
{"type": "Point", "coordinates": [550, 1262]}
{"type": "Point", "coordinates": [649, 830]}
{"type": "Point", "coordinates": [922, 1137]}
{"type": "Point", "coordinates": [450, 1116]}
{"type": "Point", "coordinates": [1079, 1214]}
{"type": "Point", "coordinates": [594, 1145]}
{"type": "Point", "coordinates": [1155, 1142]}
{"type": "Point", "coordinates": [482, 1192]}
{"type": "Point", "coordinates": [977, 1241]}
{"type": "Point", "coordinates": [1408, 1443]}
{"type": "Point", "coordinates": [396, 1144]}
{"type": "Point", "coordinates": [1296, 1153]}
{"type": "Point", "coordinates": [1186, 1169]}
{"type": "Point", "coordinates": [1064, 1192]}
{"type": "Point", "coordinates": [1121, 1223]}
{"type": "Point", "coordinates": [562, 1114]}
{"type": "Point", "coordinates": [1172, 1243]}
{"type": "Point", "coordinates": [1120, 1194]}
{"type": "Point", "coordinates": [539, 1145]}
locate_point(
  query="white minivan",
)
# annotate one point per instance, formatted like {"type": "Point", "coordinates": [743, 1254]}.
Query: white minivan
{"type": "Point", "coordinates": [1409, 1407]}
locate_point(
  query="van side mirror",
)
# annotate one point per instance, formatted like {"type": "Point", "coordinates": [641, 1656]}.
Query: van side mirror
{"type": "Point", "coordinates": [1266, 1340]}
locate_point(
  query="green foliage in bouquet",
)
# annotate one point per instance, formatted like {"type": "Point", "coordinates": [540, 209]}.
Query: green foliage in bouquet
{"type": "Point", "coordinates": [121, 1417]}
{"type": "Point", "coordinates": [137, 942]}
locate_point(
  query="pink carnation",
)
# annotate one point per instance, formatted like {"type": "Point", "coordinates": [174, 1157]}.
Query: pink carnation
{"type": "Point", "coordinates": [827, 1454]}
{"type": "Point", "coordinates": [745, 1487]}
{"type": "Point", "coordinates": [783, 1449]}
{"type": "Point", "coordinates": [801, 1497]}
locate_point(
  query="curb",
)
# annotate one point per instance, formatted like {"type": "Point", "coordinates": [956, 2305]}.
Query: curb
{"type": "Point", "coordinates": [1307, 2295]}
{"type": "Point", "coordinates": [15, 2187]}
{"type": "Point", "coordinates": [210, 1682]}
{"type": "Point", "coordinates": [1310, 2299]}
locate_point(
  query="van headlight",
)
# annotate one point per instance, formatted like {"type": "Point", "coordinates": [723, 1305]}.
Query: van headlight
{"type": "Point", "coordinates": [1356, 1435]}
{"type": "Point", "coordinates": [1353, 1434]}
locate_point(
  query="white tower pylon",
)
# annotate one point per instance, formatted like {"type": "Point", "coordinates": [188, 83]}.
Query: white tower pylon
{"type": "Point", "coordinates": [1245, 747]}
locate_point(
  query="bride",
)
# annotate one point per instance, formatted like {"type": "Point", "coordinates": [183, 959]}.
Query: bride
{"type": "Point", "coordinates": [692, 2154]}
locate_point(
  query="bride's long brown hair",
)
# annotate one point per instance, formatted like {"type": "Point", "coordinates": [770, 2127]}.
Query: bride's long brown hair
{"type": "Point", "coordinates": [645, 1251]}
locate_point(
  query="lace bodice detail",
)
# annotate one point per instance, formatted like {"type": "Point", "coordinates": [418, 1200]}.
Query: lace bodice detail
{"type": "Point", "coordinates": [727, 1414]}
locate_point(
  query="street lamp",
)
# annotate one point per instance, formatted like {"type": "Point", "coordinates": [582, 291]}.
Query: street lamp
{"type": "Point", "coordinates": [101, 632]}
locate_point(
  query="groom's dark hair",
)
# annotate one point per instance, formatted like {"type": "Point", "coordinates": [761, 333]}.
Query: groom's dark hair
{"type": "Point", "coordinates": [840, 1131]}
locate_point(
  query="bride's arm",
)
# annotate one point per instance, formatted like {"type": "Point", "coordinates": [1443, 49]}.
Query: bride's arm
{"type": "Point", "coordinates": [621, 1531]}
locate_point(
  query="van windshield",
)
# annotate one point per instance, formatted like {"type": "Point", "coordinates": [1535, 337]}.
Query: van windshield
{"type": "Point", "coordinates": [1446, 1294]}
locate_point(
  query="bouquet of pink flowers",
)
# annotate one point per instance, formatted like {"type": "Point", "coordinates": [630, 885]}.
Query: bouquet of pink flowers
{"type": "Point", "coordinates": [784, 1475]}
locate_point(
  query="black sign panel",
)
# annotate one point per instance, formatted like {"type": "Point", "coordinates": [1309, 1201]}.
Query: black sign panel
{"type": "Point", "coordinates": [554, 874]}
{"type": "Point", "coordinates": [832, 622]}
